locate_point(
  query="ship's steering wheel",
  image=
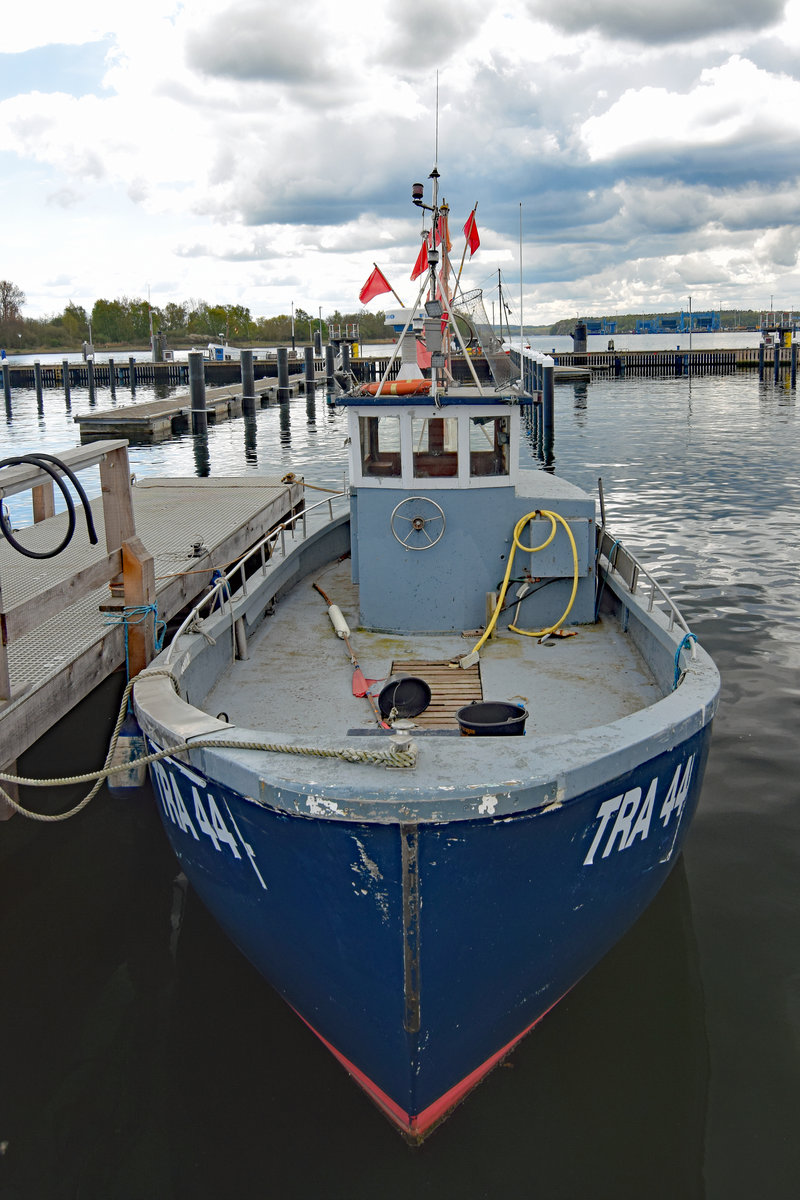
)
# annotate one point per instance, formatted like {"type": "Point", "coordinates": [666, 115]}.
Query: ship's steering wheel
{"type": "Point", "coordinates": [417, 523]}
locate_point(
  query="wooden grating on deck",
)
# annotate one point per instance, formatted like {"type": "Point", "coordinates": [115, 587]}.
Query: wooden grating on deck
{"type": "Point", "coordinates": [451, 688]}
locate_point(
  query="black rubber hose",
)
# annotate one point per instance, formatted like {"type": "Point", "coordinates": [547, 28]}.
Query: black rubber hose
{"type": "Point", "coordinates": [52, 466]}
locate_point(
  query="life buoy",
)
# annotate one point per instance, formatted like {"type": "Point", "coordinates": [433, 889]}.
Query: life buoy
{"type": "Point", "coordinates": [400, 387]}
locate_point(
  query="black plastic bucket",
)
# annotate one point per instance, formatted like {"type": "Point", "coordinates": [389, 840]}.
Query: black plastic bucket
{"type": "Point", "coordinates": [406, 695]}
{"type": "Point", "coordinates": [492, 718]}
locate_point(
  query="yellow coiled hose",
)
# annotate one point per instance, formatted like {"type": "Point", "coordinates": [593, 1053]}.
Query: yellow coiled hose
{"type": "Point", "coordinates": [554, 518]}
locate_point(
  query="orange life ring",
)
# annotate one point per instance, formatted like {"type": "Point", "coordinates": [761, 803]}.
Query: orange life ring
{"type": "Point", "coordinates": [400, 387]}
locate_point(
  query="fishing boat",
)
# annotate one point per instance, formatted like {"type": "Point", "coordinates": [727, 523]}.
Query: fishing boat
{"type": "Point", "coordinates": [430, 748]}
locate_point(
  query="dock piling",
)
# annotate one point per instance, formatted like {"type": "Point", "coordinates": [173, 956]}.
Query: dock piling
{"type": "Point", "coordinates": [7, 383]}
{"type": "Point", "coordinates": [283, 373]}
{"type": "Point", "coordinates": [248, 383]}
{"type": "Point", "coordinates": [329, 368]}
{"type": "Point", "coordinates": [197, 391]}
{"type": "Point", "coordinates": [311, 379]}
{"type": "Point", "coordinates": [37, 383]}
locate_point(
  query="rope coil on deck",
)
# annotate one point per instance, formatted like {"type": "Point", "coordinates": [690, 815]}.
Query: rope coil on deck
{"type": "Point", "coordinates": [395, 756]}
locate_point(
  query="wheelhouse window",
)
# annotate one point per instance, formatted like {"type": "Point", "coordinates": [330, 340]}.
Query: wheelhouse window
{"type": "Point", "coordinates": [434, 443]}
{"type": "Point", "coordinates": [489, 439]}
{"type": "Point", "coordinates": [380, 446]}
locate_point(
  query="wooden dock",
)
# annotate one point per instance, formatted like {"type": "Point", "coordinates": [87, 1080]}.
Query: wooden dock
{"type": "Point", "coordinates": [58, 639]}
{"type": "Point", "coordinates": [157, 420]}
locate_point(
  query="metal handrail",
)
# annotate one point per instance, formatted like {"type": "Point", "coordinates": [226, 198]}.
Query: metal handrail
{"type": "Point", "coordinates": [636, 570]}
{"type": "Point", "coordinates": [222, 589]}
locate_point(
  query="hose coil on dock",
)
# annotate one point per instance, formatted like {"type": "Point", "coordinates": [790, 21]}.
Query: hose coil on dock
{"type": "Point", "coordinates": [51, 466]}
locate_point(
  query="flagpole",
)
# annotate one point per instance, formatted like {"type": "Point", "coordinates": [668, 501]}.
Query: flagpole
{"type": "Point", "coordinates": [466, 243]}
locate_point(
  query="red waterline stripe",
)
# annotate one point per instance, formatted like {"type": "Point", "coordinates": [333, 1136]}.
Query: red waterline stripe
{"type": "Point", "coordinates": [419, 1125]}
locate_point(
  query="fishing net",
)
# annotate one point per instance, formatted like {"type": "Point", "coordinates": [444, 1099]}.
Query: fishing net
{"type": "Point", "coordinates": [469, 305]}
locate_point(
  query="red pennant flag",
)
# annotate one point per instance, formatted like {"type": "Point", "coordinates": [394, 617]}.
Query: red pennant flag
{"type": "Point", "coordinates": [422, 258]}
{"type": "Point", "coordinates": [376, 284]}
{"type": "Point", "coordinates": [471, 234]}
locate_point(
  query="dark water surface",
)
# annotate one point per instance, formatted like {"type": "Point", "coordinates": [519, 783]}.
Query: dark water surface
{"type": "Point", "coordinates": [142, 1058]}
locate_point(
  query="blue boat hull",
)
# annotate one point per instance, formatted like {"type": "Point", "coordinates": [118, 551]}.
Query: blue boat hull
{"type": "Point", "coordinates": [421, 952]}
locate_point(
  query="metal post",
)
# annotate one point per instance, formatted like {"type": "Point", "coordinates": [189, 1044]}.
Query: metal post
{"type": "Point", "coordinates": [311, 379]}
{"type": "Point", "coordinates": [112, 377]}
{"type": "Point", "coordinates": [37, 381]}
{"type": "Point", "coordinates": [132, 373]}
{"type": "Point", "coordinates": [794, 364]}
{"type": "Point", "coordinates": [761, 360]}
{"type": "Point", "coordinates": [329, 368]}
{"type": "Point", "coordinates": [548, 373]}
{"type": "Point", "coordinates": [345, 357]}
{"type": "Point", "coordinates": [197, 391]}
{"type": "Point", "coordinates": [283, 373]}
{"type": "Point", "coordinates": [248, 382]}
{"type": "Point", "coordinates": [318, 343]}
{"type": "Point", "coordinates": [777, 361]}
{"type": "Point", "coordinates": [7, 382]}
{"type": "Point", "coordinates": [90, 374]}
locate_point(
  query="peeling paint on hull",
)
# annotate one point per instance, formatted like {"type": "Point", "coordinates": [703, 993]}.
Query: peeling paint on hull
{"type": "Point", "coordinates": [461, 937]}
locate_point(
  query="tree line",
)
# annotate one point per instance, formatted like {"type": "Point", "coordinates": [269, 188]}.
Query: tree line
{"type": "Point", "coordinates": [129, 321]}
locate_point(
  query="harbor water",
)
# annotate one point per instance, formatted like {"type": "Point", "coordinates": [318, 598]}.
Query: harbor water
{"type": "Point", "coordinates": [144, 1059]}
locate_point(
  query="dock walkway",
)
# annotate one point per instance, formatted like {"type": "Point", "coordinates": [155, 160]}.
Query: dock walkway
{"type": "Point", "coordinates": [190, 527]}
{"type": "Point", "coordinates": [157, 420]}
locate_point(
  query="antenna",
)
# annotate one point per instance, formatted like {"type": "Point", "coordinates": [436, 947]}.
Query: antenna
{"type": "Point", "coordinates": [436, 146]}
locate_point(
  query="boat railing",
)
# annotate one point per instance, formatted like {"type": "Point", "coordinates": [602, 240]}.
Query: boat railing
{"type": "Point", "coordinates": [234, 580]}
{"type": "Point", "coordinates": [635, 575]}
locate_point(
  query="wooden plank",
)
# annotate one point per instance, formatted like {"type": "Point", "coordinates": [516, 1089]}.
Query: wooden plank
{"type": "Point", "coordinates": [29, 615]}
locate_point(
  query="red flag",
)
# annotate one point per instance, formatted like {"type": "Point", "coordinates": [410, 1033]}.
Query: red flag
{"type": "Point", "coordinates": [376, 284]}
{"type": "Point", "coordinates": [471, 233]}
{"type": "Point", "coordinates": [422, 258]}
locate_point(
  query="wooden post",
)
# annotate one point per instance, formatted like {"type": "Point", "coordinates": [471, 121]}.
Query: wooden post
{"type": "Point", "coordinates": [138, 572]}
{"type": "Point", "coordinates": [43, 502]}
{"type": "Point", "coordinates": [118, 517]}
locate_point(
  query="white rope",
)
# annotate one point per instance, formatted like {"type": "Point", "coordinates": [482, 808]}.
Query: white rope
{"type": "Point", "coordinates": [393, 757]}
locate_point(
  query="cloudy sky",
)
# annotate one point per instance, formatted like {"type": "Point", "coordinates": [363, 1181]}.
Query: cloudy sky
{"type": "Point", "coordinates": [262, 153]}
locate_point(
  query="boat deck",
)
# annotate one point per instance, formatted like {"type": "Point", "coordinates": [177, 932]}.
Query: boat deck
{"type": "Point", "coordinates": [298, 675]}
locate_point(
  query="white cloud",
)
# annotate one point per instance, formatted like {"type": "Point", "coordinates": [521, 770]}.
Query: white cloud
{"type": "Point", "coordinates": [256, 152]}
{"type": "Point", "coordinates": [729, 102]}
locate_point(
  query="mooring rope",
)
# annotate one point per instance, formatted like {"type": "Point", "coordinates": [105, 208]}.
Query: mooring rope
{"type": "Point", "coordinates": [395, 756]}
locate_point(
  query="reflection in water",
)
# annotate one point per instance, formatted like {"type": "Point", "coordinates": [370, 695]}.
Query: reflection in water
{"type": "Point", "coordinates": [127, 1075]}
{"type": "Point", "coordinates": [202, 458]}
{"type": "Point", "coordinates": [285, 407]}
{"type": "Point", "coordinates": [250, 438]}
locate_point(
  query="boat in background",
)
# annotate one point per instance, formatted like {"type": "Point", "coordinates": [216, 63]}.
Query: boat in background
{"type": "Point", "coordinates": [434, 744]}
